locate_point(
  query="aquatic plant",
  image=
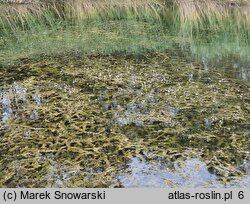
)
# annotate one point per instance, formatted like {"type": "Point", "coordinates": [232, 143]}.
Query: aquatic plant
{"type": "Point", "coordinates": [72, 121]}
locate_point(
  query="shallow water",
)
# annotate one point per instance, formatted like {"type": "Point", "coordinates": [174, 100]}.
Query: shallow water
{"type": "Point", "coordinates": [124, 121]}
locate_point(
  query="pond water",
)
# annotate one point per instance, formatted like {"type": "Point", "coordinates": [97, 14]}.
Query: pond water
{"type": "Point", "coordinates": [125, 121]}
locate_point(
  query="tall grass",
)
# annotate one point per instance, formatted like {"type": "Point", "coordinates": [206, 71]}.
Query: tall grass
{"type": "Point", "coordinates": [213, 16]}
{"type": "Point", "coordinates": [189, 16]}
{"type": "Point", "coordinates": [109, 26]}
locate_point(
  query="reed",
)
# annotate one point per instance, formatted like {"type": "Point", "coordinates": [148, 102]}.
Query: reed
{"type": "Point", "coordinates": [212, 16]}
{"type": "Point", "coordinates": [187, 15]}
{"type": "Point", "coordinates": [110, 26]}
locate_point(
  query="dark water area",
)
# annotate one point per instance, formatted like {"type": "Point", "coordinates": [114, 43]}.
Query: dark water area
{"type": "Point", "coordinates": [104, 121]}
{"type": "Point", "coordinates": [232, 67]}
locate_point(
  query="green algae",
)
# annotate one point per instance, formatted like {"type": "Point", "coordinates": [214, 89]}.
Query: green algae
{"type": "Point", "coordinates": [79, 121]}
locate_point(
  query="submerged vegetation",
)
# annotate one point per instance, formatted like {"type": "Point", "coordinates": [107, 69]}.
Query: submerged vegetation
{"type": "Point", "coordinates": [121, 93]}
{"type": "Point", "coordinates": [72, 122]}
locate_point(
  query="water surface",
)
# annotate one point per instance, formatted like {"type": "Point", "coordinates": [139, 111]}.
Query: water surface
{"type": "Point", "coordinates": [124, 121]}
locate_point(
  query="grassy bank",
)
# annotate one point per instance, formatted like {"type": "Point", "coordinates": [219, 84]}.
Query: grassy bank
{"type": "Point", "coordinates": [131, 26]}
{"type": "Point", "coordinates": [191, 15]}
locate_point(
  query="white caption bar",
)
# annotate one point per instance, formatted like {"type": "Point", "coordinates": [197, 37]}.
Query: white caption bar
{"type": "Point", "coordinates": [132, 195]}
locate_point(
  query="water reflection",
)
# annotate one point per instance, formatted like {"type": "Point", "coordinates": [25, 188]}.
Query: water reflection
{"type": "Point", "coordinates": [230, 66]}
{"type": "Point", "coordinates": [240, 70]}
{"type": "Point", "coordinates": [10, 96]}
{"type": "Point", "coordinates": [190, 173]}
{"type": "Point", "coordinates": [100, 124]}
